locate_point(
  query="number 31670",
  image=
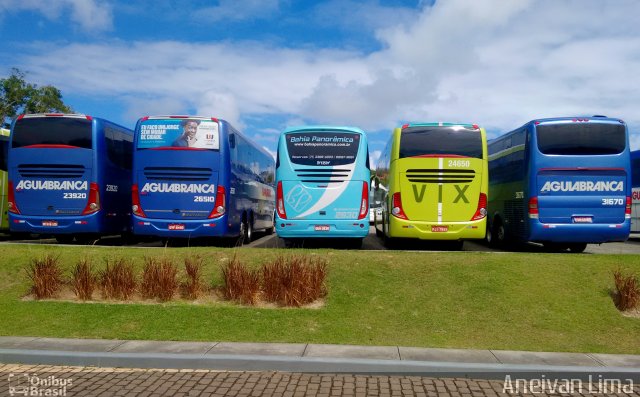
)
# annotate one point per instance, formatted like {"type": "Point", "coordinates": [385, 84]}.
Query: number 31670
{"type": "Point", "coordinates": [612, 201]}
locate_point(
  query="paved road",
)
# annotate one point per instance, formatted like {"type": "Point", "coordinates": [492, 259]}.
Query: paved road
{"type": "Point", "coordinates": [371, 242]}
{"type": "Point", "coordinates": [92, 381]}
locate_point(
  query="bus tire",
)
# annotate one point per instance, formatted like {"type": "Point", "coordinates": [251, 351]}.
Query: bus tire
{"type": "Point", "coordinates": [248, 232]}
{"type": "Point", "coordinates": [64, 238]}
{"type": "Point", "coordinates": [496, 234]}
{"type": "Point", "coordinates": [577, 248]}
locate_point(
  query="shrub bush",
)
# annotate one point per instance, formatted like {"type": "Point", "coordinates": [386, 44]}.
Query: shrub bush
{"type": "Point", "coordinates": [118, 280]}
{"type": "Point", "coordinates": [46, 276]}
{"type": "Point", "coordinates": [240, 283]}
{"type": "Point", "coordinates": [193, 285]}
{"type": "Point", "coordinates": [627, 294]}
{"type": "Point", "coordinates": [159, 278]}
{"type": "Point", "coordinates": [83, 280]}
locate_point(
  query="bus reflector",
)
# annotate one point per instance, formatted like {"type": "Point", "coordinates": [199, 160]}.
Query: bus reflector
{"type": "Point", "coordinates": [135, 202]}
{"type": "Point", "coordinates": [533, 207]}
{"type": "Point", "coordinates": [13, 207]}
{"type": "Point", "coordinates": [280, 202]}
{"type": "Point", "coordinates": [218, 208]}
{"type": "Point", "coordinates": [627, 208]}
{"type": "Point", "coordinates": [93, 204]}
{"type": "Point", "coordinates": [397, 210]}
{"type": "Point", "coordinates": [481, 212]}
{"type": "Point", "coordinates": [364, 203]}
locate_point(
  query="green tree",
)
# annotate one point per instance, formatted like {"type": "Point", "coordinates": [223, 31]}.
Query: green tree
{"type": "Point", "coordinates": [17, 96]}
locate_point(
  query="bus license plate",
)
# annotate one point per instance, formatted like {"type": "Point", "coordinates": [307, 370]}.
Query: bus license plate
{"type": "Point", "coordinates": [176, 226]}
{"type": "Point", "coordinates": [50, 223]}
{"type": "Point", "coordinates": [439, 229]}
{"type": "Point", "coordinates": [582, 219]}
{"type": "Point", "coordinates": [321, 228]}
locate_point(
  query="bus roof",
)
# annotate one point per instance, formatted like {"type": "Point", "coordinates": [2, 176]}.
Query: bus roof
{"type": "Point", "coordinates": [440, 124]}
{"type": "Point", "coordinates": [576, 119]}
{"type": "Point", "coordinates": [327, 128]}
{"type": "Point", "coordinates": [67, 115]}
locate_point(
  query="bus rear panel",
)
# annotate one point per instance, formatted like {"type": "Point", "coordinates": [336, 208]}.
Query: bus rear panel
{"type": "Point", "coordinates": [572, 187]}
{"type": "Point", "coordinates": [199, 177]}
{"type": "Point", "coordinates": [69, 175]}
{"type": "Point", "coordinates": [322, 183]}
{"type": "Point", "coordinates": [437, 179]}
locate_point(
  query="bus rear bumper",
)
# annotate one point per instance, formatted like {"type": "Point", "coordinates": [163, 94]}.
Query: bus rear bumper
{"type": "Point", "coordinates": [180, 228]}
{"type": "Point", "coordinates": [288, 228]}
{"type": "Point", "coordinates": [579, 233]}
{"type": "Point", "coordinates": [56, 225]}
{"type": "Point", "coordinates": [437, 231]}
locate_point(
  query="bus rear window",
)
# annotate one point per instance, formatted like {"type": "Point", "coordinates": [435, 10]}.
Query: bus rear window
{"type": "Point", "coordinates": [581, 139]}
{"type": "Point", "coordinates": [185, 133]}
{"type": "Point", "coordinates": [322, 148]}
{"type": "Point", "coordinates": [434, 141]}
{"type": "Point", "coordinates": [64, 131]}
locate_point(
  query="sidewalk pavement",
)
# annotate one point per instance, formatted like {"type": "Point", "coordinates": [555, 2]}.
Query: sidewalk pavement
{"type": "Point", "coordinates": [315, 358]}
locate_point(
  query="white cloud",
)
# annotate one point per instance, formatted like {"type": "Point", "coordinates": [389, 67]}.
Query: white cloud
{"type": "Point", "coordinates": [238, 10]}
{"type": "Point", "coordinates": [490, 62]}
{"type": "Point", "coordinates": [90, 15]}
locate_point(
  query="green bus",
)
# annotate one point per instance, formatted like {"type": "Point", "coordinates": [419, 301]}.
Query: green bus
{"type": "Point", "coordinates": [4, 148]}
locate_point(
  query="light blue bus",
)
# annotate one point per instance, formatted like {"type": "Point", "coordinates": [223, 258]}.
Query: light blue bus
{"type": "Point", "coordinates": [200, 177]}
{"type": "Point", "coordinates": [322, 179]}
{"type": "Point", "coordinates": [564, 182]}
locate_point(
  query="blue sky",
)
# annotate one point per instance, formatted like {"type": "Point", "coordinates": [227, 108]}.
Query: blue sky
{"type": "Point", "coordinates": [268, 64]}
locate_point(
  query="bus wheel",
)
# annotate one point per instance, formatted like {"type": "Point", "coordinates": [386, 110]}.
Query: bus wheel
{"type": "Point", "coordinates": [248, 232]}
{"type": "Point", "coordinates": [496, 234]}
{"type": "Point", "coordinates": [64, 238]}
{"type": "Point", "coordinates": [577, 248]}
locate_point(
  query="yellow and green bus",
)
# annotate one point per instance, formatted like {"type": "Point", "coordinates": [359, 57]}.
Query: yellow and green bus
{"type": "Point", "coordinates": [4, 148]}
{"type": "Point", "coordinates": [435, 181]}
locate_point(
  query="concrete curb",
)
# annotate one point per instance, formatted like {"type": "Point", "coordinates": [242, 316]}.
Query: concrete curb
{"type": "Point", "coordinates": [314, 358]}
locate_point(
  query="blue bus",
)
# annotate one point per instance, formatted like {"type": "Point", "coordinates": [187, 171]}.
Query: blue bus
{"type": "Point", "coordinates": [635, 194]}
{"type": "Point", "coordinates": [4, 153]}
{"type": "Point", "coordinates": [322, 176]}
{"type": "Point", "coordinates": [69, 176]}
{"type": "Point", "coordinates": [563, 182]}
{"type": "Point", "coordinates": [200, 177]}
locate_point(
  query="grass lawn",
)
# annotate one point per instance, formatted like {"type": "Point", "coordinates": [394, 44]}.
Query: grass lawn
{"type": "Point", "coordinates": [519, 301]}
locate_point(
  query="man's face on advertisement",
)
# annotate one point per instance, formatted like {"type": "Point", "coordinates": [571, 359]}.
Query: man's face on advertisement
{"type": "Point", "coordinates": [190, 129]}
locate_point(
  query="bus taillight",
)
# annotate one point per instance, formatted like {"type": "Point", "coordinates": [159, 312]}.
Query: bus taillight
{"type": "Point", "coordinates": [364, 203]}
{"type": "Point", "coordinates": [481, 212]}
{"type": "Point", "coordinates": [93, 204]}
{"type": "Point", "coordinates": [135, 202]}
{"type": "Point", "coordinates": [280, 202]}
{"type": "Point", "coordinates": [397, 210]}
{"type": "Point", "coordinates": [13, 207]}
{"type": "Point", "coordinates": [533, 207]}
{"type": "Point", "coordinates": [219, 208]}
{"type": "Point", "coordinates": [627, 208]}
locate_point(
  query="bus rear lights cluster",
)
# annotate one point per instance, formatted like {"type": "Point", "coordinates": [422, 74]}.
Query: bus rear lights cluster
{"type": "Point", "coordinates": [81, 222]}
{"type": "Point", "coordinates": [282, 213]}
{"type": "Point", "coordinates": [135, 201]}
{"type": "Point", "coordinates": [93, 204]}
{"type": "Point", "coordinates": [397, 210]}
{"type": "Point", "coordinates": [533, 208]}
{"type": "Point", "coordinates": [364, 203]}
{"type": "Point", "coordinates": [219, 206]}
{"type": "Point", "coordinates": [12, 206]}
{"type": "Point", "coordinates": [627, 208]}
{"type": "Point", "coordinates": [481, 211]}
